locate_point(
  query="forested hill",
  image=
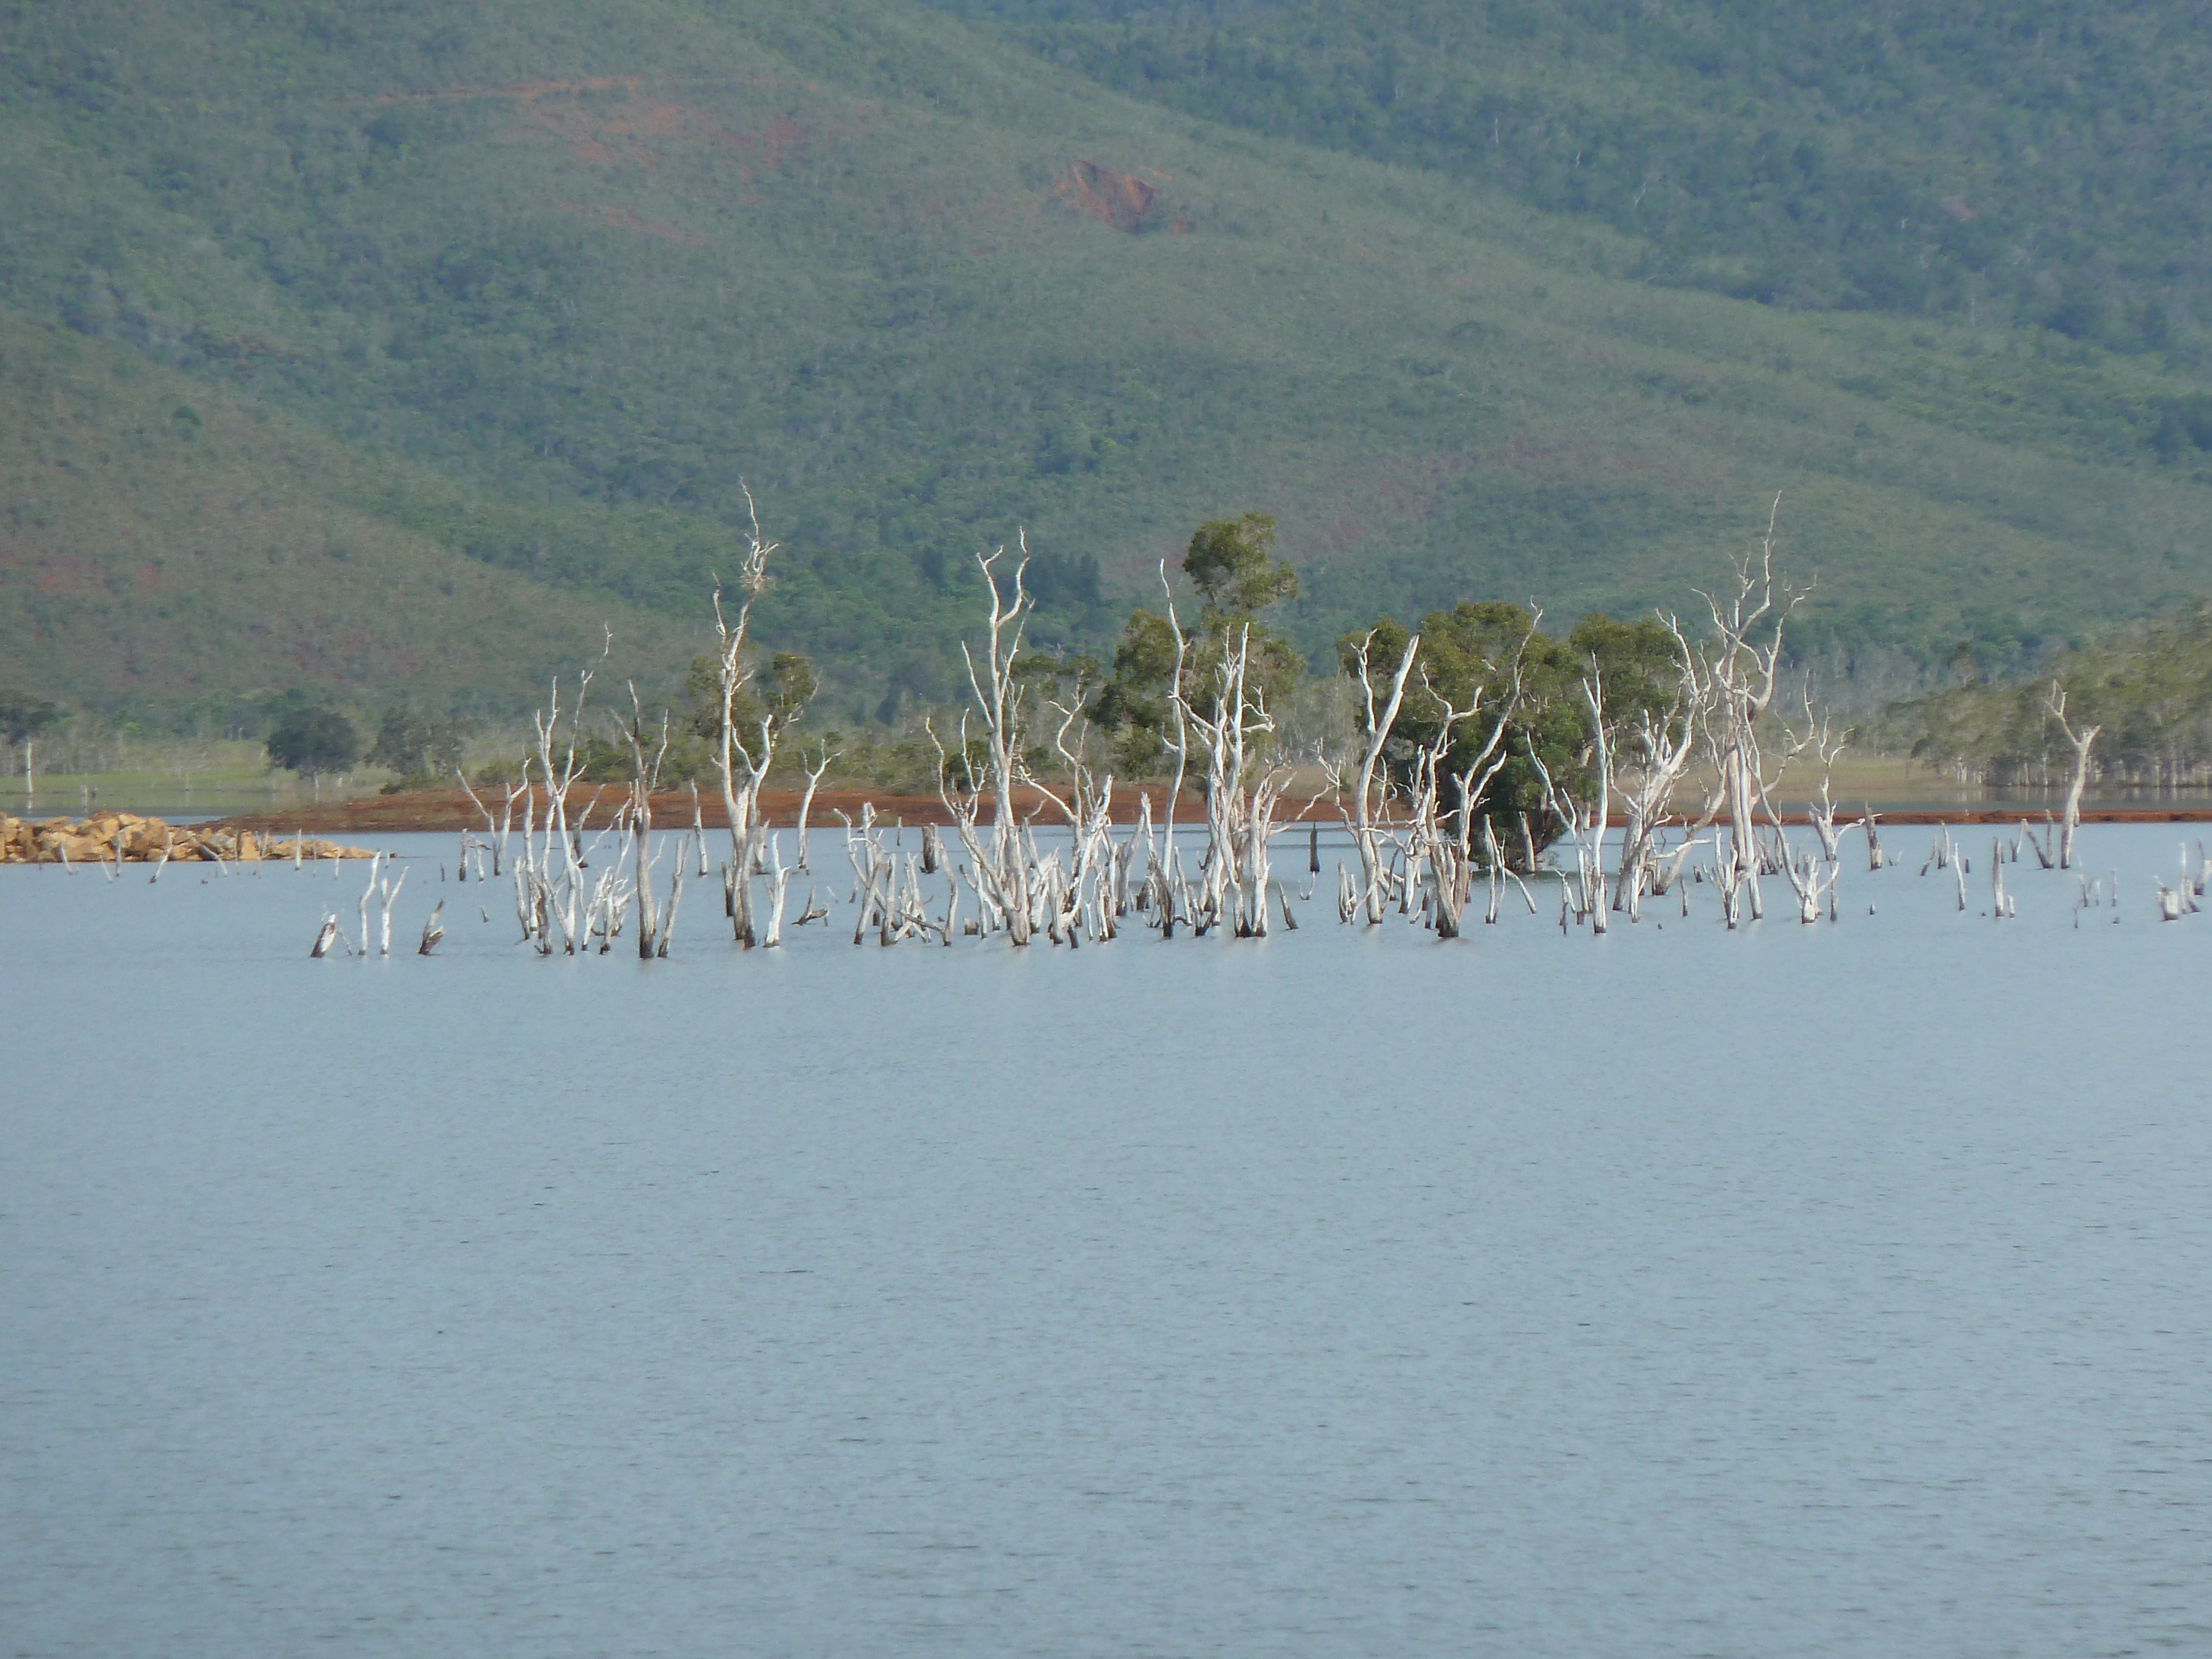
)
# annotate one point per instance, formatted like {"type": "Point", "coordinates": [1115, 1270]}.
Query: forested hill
{"type": "Point", "coordinates": [2045, 162]}
{"type": "Point", "coordinates": [516, 293]}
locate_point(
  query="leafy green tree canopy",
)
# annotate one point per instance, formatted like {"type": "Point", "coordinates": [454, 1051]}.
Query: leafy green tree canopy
{"type": "Point", "coordinates": [416, 748]}
{"type": "Point", "coordinates": [23, 716]}
{"type": "Point", "coordinates": [779, 696]}
{"type": "Point", "coordinates": [314, 741]}
{"type": "Point", "coordinates": [1490, 656]}
{"type": "Point", "coordinates": [1232, 563]}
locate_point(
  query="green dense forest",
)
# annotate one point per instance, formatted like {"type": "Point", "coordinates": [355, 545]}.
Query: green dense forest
{"type": "Point", "coordinates": [2147, 689]}
{"type": "Point", "coordinates": [388, 346]}
{"type": "Point", "coordinates": [2045, 163]}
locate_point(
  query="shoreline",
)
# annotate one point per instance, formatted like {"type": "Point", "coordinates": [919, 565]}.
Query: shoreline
{"type": "Point", "coordinates": [451, 812]}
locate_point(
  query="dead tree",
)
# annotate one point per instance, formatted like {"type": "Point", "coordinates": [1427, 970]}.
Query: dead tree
{"type": "Point", "coordinates": [738, 768]}
{"type": "Point", "coordinates": [1654, 758]}
{"type": "Point", "coordinates": [807, 799]}
{"type": "Point", "coordinates": [996, 859]}
{"type": "Point", "coordinates": [549, 882]}
{"type": "Point", "coordinates": [1452, 857]}
{"type": "Point", "coordinates": [1585, 822]}
{"type": "Point", "coordinates": [1084, 902]}
{"type": "Point", "coordinates": [648, 751]}
{"type": "Point", "coordinates": [1232, 724]}
{"type": "Point", "coordinates": [1166, 876]}
{"type": "Point", "coordinates": [1370, 784]}
{"type": "Point", "coordinates": [1825, 747]}
{"type": "Point", "coordinates": [2077, 773]}
{"type": "Point", "coordinates": [1742, 666]}
{"type": "Point", "coordinates": [744, 749]}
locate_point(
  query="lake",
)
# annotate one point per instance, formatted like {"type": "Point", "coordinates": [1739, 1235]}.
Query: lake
{"type": "Point", "coordinates": [1841, 1290]}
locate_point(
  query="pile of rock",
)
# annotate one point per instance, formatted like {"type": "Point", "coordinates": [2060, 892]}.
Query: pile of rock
{"type": "Point", "coordinates": [109, 837]}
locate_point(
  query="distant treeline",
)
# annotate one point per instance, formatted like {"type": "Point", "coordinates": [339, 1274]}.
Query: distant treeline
{"type": "Point", "coordinates": [2150, 689]}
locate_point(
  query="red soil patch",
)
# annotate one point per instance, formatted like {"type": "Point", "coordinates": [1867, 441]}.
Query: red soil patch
{"type": "Point", "coordinates": [1113, 199]}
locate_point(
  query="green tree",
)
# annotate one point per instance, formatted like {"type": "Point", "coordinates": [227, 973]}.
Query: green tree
{"type": "Point", "coordinates": [418, 749]}
{"type": "Point", "coordinates": [22, 717]}
{"type": "Point", "coordinates": [314, 741]}
{"type": "Point", "coordinates": [1232, 563]}
{"type": "Point", "coordinates": [1490, 656]}
{"type": "Point", "coordinates": [779, 696]}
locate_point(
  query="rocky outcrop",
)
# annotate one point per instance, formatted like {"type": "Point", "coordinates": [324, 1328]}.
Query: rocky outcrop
{"type": "Point", "coordinates": [108, 838]}
{"type": "Point", "coordinates": [1114, 197]}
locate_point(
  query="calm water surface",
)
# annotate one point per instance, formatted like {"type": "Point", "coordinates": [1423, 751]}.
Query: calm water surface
{"type": "Point", "coordinates": [1812, 1291]}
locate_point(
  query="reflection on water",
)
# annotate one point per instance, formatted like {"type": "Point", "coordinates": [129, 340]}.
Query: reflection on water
{"type": "Point", "coordinates": [1832, 1290]}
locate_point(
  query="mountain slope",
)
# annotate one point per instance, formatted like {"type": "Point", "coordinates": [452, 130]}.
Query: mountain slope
{"type": "Point", "coordinates": [602, 258]}
{"type": "Point", "coordinates": [162, 542]}
{"type": "Point", "coordinates": [2047, 162]}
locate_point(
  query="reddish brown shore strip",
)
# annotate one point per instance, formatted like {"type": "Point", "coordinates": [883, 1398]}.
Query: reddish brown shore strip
{"type": "Point", "coordinates": [451, 810]}
{"type": "Point", "coordinates": [2010, 816]}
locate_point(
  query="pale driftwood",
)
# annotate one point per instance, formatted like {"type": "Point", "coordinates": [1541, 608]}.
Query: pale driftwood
{"type": "Point", "coordinates": [432, 930]}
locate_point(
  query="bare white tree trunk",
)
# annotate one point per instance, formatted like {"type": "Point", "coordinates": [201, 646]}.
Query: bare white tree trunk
{"type": "Point", "coordinates": [1658, 755]}
{"type": "Point", "coordinates": [998, 864]}
{"type": "Point", "coordinates": [806, 800]}
{"type": "Point", "coordinates": [2077, 774]}
{"type": "Point", "coordinates": [646, 755]}
{"type": "Point", "coordinates": [1741, 667]}
{"type": "Point", "coordinates": [734, 764]}
{"type": "Point", "coordinates": [1382, 712]}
